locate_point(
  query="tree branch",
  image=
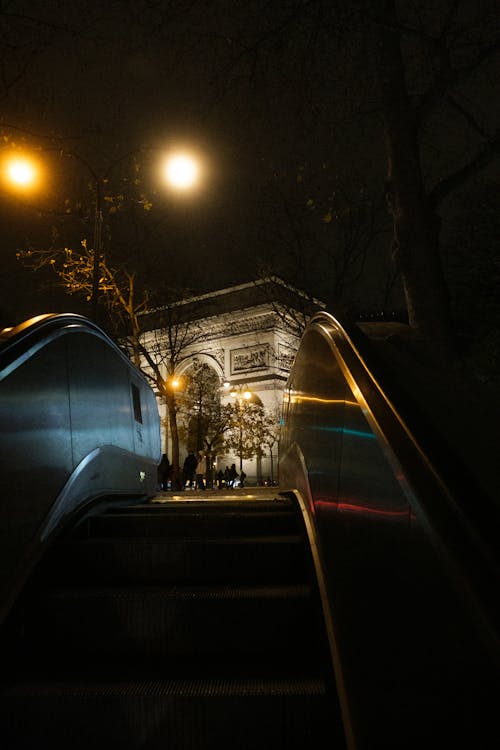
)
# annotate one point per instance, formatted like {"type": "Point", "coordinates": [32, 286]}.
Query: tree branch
{"type": "Point", "coordinates": [482, 159]}
{"type": "Point", "coordinates": [453, 78]}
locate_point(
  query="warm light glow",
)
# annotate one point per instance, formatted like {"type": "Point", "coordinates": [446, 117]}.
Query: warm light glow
{"type": "Point", "coordinates": [182, 171]}
{"type": "Point", "coordinates": [20, 172]}
{"type": "Point", "coordinates": [246, 394]}
{"type": "Point", "coordinates": [175, 383]}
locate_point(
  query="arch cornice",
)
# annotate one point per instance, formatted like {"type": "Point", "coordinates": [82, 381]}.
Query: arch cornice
{"type": "Point", "coordinates": [204, 358]}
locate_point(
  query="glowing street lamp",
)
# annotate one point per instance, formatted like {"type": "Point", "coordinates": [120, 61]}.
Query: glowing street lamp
{"type": "Point", "coordinates": [20, 172]}
{"type": "Point", "coordinates": [181, 171]}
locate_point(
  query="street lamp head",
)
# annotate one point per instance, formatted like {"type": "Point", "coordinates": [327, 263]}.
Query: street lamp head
{"type": "Point", "coordinates": [20, 172]}
{"type": "Point", "coordinates": [181, 171]}
{"type": "Point", "coordinates": [241, 393]}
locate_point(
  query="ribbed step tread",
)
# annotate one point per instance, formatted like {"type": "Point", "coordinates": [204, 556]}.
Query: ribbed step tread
{"type": "Point", "coordinates": [210, 716]}
{"type": "Point", "coordinates": [135, 560]}
{"type": "Point", "coordinates": [175, 622]}
{"type": "Point", "coordinates": [209, 504]}
{"type": "Point", "coordinates": [298, 591]}
{"type": "Point", "coordinates": [180, 688]}
{"type": "Point", "coordinates": [186, 522]}
{"type": "Point", "coordinates": [204, 632]}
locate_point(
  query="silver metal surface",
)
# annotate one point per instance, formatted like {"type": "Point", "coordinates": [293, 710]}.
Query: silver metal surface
{"type": "Point", "coordinates": [406, 580]}
{"type": "Point", "coordinates": [69, 432]}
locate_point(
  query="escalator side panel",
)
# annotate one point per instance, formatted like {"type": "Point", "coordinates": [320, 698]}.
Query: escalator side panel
{"type": "Point", "coordinates": [416, 661]}
{"type": "Point", "coordinates": [77, 421]}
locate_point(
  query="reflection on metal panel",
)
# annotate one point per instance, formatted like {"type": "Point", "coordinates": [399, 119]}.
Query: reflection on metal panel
{"type": "Point", "coordinates": [413, 624]}
{"type": "Point", "coordinates": [68, 431]}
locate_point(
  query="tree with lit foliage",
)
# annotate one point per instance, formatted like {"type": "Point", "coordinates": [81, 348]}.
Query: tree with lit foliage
{"type": "Point", "coordinates": [247, 429]}
{"type": "Point", "coordinates": [117, 285]}
{"type": "Point", "coordinates": [271, 426]}
{"type": "Point", "coordinates": [205, 418]}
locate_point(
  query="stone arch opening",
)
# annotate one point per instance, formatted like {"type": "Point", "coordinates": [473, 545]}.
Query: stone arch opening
{"type": "Point", "coordinates": [201, 407]}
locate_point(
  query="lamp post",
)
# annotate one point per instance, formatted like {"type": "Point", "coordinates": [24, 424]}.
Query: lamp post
{"type": "Point", "coordinates": [171, 385]}
{"type": "Point", "coordinates": [98, 182]}
{"type": "Point", "coordinates": [23, 173]}
{"type": "Point", "coordinates": [241, 394]}
{"type": "Point", "coordinates": [97, 248]}
{"type": "Point", "coordinates": [180, 170]}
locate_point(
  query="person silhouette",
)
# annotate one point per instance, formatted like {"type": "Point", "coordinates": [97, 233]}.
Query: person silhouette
{"type": "Point", "coordinates": [164, 472]}
{"type": "Point", "coordinates": [189, 469]}
{"type": "Point", "coordinates": [200, 471]}
{"type": "Point", "coordinates": [233, 474]}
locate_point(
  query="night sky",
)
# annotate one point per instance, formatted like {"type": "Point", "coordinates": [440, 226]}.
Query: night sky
{"type": "Point", "coordinates": [275, 96]}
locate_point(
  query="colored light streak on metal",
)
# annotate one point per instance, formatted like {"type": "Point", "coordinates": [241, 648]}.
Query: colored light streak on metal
{"type": "Point", "coordinates": [296, 399]}
{"type": "Point", "coordinates": [347, 431]}
{"type": "Point", "coordinates": [354, 507]}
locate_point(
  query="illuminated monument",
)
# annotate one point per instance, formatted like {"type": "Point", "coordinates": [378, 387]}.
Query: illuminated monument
{"type": "Point", "coordinates": [248, 334]}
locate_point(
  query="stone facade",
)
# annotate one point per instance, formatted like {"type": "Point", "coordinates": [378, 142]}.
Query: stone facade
{"type": "Point", "coordinates": [249, 335]}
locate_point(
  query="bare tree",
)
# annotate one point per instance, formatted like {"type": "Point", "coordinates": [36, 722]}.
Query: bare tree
{"type": "Point", "coordinates": [415, 74]}
{"type": "Point", "coordinates": [325, 232]}
{"type": "Point", "coordinates": [171, 340]}
{"type": "Point", "coordinates": [452, 47]}
{"type": "Point", "coordinates": [293, 306]}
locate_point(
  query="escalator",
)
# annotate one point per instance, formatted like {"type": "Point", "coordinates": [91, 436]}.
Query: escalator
{"type": "Point", "coordinates": [185, 624]}
{"type": "Point", "coordinates": [358, 608]}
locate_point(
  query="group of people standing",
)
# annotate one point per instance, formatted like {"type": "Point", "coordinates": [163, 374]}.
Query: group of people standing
{"type": "Point", "coordinates": [194, 471]}
{"type": "Point", "coordinates": [228, 477]}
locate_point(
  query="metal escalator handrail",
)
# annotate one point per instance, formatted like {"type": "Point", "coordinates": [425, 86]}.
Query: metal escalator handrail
{"type": "Point", "coordinates": [390, 407]}
{"type": "Point", "coordinates": [20, 342]}
{"type": "Point", "coordinates": [461, 518]}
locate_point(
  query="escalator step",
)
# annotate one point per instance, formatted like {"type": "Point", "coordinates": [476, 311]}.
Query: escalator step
{"type": "Point", "coordinates": [182, 715]}
{"type": "Point", "coordinates": [186, 522]}
{"type": "Point", "coordinates": [181, 688]}
{"type": "Point", "coordinates": [171, 622]}
{"type": "Point", "coordinates": [275, 559]}
{"type": "Point", "coordinates": [193, 626]}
